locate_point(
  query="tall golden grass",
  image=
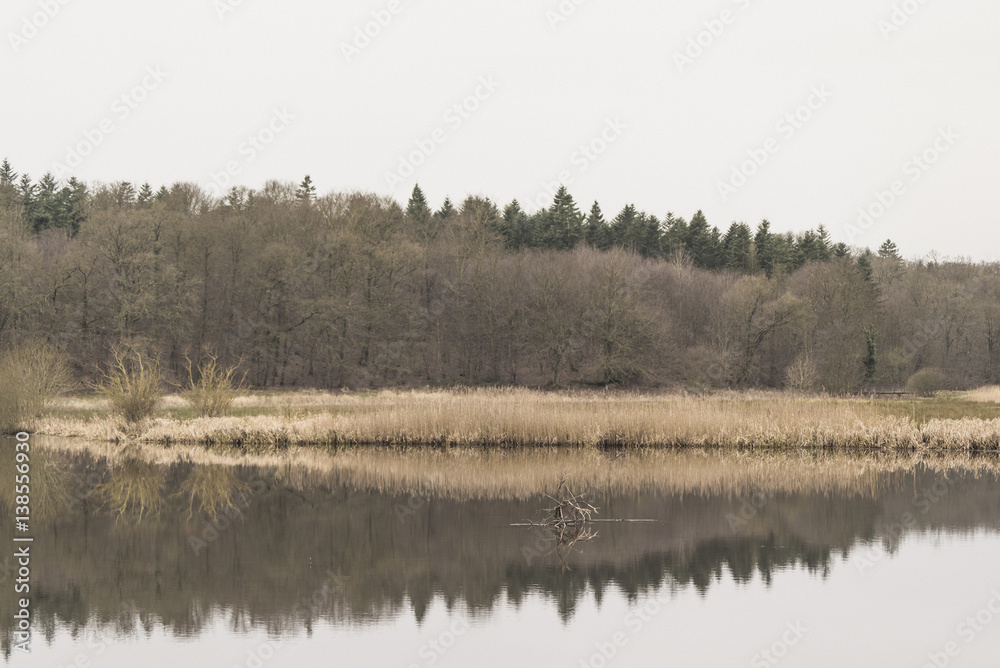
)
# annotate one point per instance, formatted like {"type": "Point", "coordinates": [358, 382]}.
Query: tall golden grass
{"type": "Point", "coordinates": [989, 394]}
{"type": "Point", "coordinates": [519, 417]}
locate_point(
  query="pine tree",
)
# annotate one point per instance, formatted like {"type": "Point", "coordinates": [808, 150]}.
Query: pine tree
{"type": "Point", "coordinates": [865, 265]}
{"type": "Point", "coordinates": [46, 209]}
{"type": "Point", "coordinates": [824, 243]}
{"type": "Point", "coordinates": [73, 198]}
{"type": "Point", "coordinates": [737, 248]}
{"type": "Point", "coordinates": [446, 211]}
{"type": "Point", "coordinates": [145, 195]}
{"type": "Point", "coordinates": [889, 250]}
{"type": "Point", "coordinates": [674, 236]}
{"type": "Point", "coordinates": [763, 242]}
{"type": "Point", "coordinates": [650, 242]}
{"type": "Point", "coordinates": [596, 230]}
{"type": "Point", "coordinates": [8, 177]}
{"type": "Point", "coordinates": [623, 228]}
{"type": "Point", "coordinates": [515, 227]}
{"type": "Point", "coordinates": [124, 194]}
{"type": "Point", "coordinates": [702, 242]}
{"type": "Point", "coordinates": [306, 192]}
{"type": "Point", "coordinates": [562, 226]}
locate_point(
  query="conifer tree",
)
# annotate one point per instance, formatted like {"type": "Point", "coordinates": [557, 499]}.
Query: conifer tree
{"type": "Point", "coordinates": [145, 195]}
{"type": "Point", "coordinates": [889, 250]}
{"type": "Point", "coordinates": [515, 227]}
{"type": "Point", "coordinates": [562, 224]}
{"type": "Point", "coordinates": [306, 192]}
{"type": "Point", "coordinates": [596, 230]}
{"type": "Point", "coordinates": [446, 211]}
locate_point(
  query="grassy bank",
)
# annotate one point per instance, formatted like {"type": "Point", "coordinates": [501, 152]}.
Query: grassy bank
{"type": "Point", "coordinates": [520, 417]}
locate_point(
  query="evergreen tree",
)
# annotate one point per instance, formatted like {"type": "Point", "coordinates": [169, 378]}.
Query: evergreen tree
{"type": "Point", "coordinates": [26, 193]}
{"type": "Point", "coordinates": [562, 226]}
{"type": "Point", "coordinates": [596, 230]}
{"type": "Point", "coordinates": [73, 199]}
{"type": "Point", "coordinates": [865, 265]}
{"type": "Point", "coordinates": [841, 250]}
{"type": "Point", "coordinates": [124, 194]}
{"type": "Point", "coordinates": [889, 250]}
{"type": "Point", "coordinates": [419, 215]}
{"type": "Point", "coordinates": [146, 195]}
{"type": "Point", "coordinates": [306, 192]}
{"type": "Point", "coordinates": [8, 177]}
{"type": "Point", "coordinates": [623, 228]}
{"type": "Point", "coordinates": [737, 248]}
{"type": "Point", "coordinates": [763, 242]}
{"type": "Point", "coordinates": [515, 227]}
{"type": "Point", "coordinates": [674, 237]}
{"type": "Point", "coordinates": [649, 236]}
{"type": "Point", "coordinates": [871, 355]}
{"type": "Point", "coordinates": [446, 211]}
{"type": "Point", "coordinates": [824, 243]}
{"type": "Point", "coordinates": [46, 210]}
{"type": "Point", "coordinates": [700, 242]}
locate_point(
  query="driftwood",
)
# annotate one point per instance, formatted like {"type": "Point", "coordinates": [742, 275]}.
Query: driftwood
{"type": "Point", "coordinates": [567, 521]}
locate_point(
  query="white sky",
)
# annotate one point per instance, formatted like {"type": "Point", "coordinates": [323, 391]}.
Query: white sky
{"type": "Point", "coordinates": [680, 130]}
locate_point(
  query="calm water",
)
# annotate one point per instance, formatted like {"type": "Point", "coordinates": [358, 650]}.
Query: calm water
{"type": "Point", "coordinates": [129, 568]}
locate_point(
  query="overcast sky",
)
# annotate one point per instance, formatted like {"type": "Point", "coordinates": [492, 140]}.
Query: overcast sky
{"type": "Point", "coordinates": [804, 113]}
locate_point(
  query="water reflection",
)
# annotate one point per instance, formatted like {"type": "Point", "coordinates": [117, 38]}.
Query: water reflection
{"type": "Point", "coordinates": [127, 544]}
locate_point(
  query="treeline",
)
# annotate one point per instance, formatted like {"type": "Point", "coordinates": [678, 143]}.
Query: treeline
{"type": "Point", "coordinates": [354, 290]}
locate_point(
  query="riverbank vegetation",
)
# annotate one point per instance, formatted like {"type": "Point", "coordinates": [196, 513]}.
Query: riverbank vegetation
{"type": "Point", "coordinates": [514, 417]}
{"type": "Point", "coordinates": [358, 291]}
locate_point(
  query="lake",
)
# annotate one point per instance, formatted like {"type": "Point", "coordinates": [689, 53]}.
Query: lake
{"type": "Point", "coordinates": [797, 559]}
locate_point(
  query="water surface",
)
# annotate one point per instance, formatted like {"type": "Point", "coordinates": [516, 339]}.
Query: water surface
{"type": "Point", "coordinates": [138, 563]}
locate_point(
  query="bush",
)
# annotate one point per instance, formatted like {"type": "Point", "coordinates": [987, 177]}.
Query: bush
{"type": "Point", "coordinates": [926, 382]}
{"type": "Point", "coordinates": [213, 393]}
{"type": "Point", "coordinates": [132, 385]}
{"type": "Point", "coordinates": [31, 375]}
{"type": "Point", "coordinates": [801, 374]}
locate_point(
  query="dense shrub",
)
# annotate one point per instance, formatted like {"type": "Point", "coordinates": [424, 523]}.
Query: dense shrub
{"type": "Point", "coordinates": [213, 393]}
{"type": "Point", "coordinates": [132, 384]}
{"type": "Point", "coordinates": [927, 382]}
{"type": "Point", "coordinates": [31, 375]}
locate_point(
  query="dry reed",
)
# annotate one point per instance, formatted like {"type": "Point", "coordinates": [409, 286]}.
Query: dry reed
{"type": "Point", "coordinates": [519, 417]}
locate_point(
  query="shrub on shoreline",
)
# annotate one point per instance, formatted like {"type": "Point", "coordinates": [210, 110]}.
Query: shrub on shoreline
{"type": "Point", "coordinates": [31, 375]}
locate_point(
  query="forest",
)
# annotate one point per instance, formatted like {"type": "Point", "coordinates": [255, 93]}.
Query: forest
{"type": "Point", "coordinates": [356, 290]}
